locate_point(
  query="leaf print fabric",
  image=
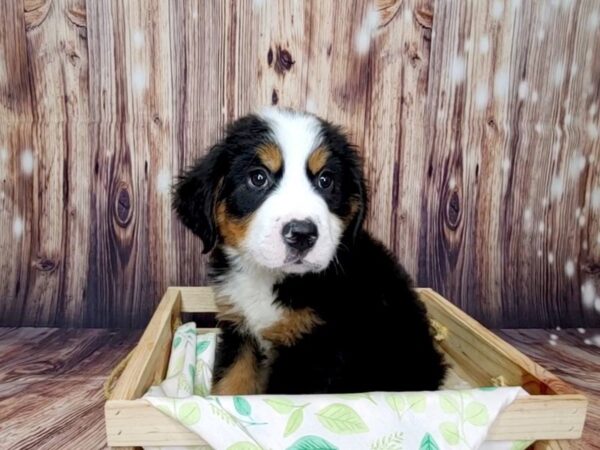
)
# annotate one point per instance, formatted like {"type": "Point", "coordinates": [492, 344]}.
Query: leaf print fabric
{"type": "Point", "coordinates": [341, 419]}
{"type": "Point", "coordinates": [450, 419]}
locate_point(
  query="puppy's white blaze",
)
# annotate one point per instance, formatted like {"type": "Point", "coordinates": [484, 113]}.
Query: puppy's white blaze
{"type": "Point", "coordinates": [297, 135]}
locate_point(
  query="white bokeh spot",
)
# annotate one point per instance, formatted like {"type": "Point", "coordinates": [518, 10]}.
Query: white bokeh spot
{"type": "Point", "coordinates": [501, 83]}
{"type": "Point", "coordinates": [481, 96]}
{"type": "Point", "coordinates": [459, 69]}
{"type": "Point", "coordinates": [523, 90]}
{"type": "Point", "coordinates": [484, 44]}
{"type": "Point", "coordinates": [27, 161]}
{"type": "Point", "coordinates": [18, 227]}
{"type": "Point", "coordinates": [139, 79]}
{"type": "Point", "coordinates": [362, 40]}
{"type": "Point", "coordinates": [163, 181]}
{"type": "Point", "coordinates": [569, 268]}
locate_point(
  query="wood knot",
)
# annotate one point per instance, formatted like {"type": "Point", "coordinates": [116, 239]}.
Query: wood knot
{"type": "Point", "coordinates": [123, 209]}
{"type": "Point", "coordinates": [270, 57]}
{"type": "Point", "coordinates": [274, 97]}
{"type": "Point", "coordinates": [438, 331]}
{"type": "Point", "coordinates": [45, 265]}
{"type": "Point", "coordinates": [77, 16]}
{"type": "Point", "coordinates": [283, 61]}
{"type": "Point", "coordinates": [38, 368]}
{"type": "Point", "coordinates": [388, 9]}
{"type": "Point", "coordinates": [414, 56]}
{"type": "Point", "coordinates": [453, 210]}
{"type": "Point", "coordinates": [407, 99]}
{"type": "Point", "coordinates": [424, 17]}
{"type": "Point", "coordinates": [498, 381]}
{"type": "Point", "coordinates": [35, 12]}
{"type": "Point", "coordinates": [591, 268]}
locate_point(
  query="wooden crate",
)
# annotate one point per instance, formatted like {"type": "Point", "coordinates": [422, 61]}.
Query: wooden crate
{"type": "Point", "coordinates": [555, 411]}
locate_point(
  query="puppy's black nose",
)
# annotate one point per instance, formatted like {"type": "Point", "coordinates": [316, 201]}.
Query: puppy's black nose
{"type": "Point", "coordinates": [300, 234]}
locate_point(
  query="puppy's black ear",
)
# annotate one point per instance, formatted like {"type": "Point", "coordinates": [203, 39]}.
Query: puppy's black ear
{"type": "Point", "coordinates": [360, 194]}
{"type": "Point", "coordinates": [195, 196]}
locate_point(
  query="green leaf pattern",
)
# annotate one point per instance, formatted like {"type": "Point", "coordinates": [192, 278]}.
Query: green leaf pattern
{"type": "Point", "coordinates": [449, 403]}
{"type": "Point", "coordinates": [176, 342]}
{"type": "Point", "coordinates": [222, 414]}
{"type": "Point", "coordinates": [375, 421]}
{"type": "Point", "coordinates": [342, 419]}
{"type": "Point", "coordinates": [392, 441]}
{"type": "Point", "coordinates": [476, 414]}
{"type": "Point", "coordinates": [416, 402]}
{"type": "Point", "coordinates": [244, 446]}
{"type": "Point", "coordinates": [465, 411]}
{"type": "Point", "coordinates": [312, 443]}
{"type": "Point", "coordinates": [428, 443]}
{"type": "Point", "coordinates": [449, 431]}
{"type": "Point", "coordinates": [293, 422]}
{"type": "Point", "coordinates": [520, 445]}
{"type": "Point", "coordinates": [201, 346]}
{"type": "Point", "coordinates": [188, 413]}
{"type": "Point", "coordinates": [281, 405]}
{"type": "Point", "coordinates": [242, 406]}
{"type": "Point", "coordinates": [397, 402]}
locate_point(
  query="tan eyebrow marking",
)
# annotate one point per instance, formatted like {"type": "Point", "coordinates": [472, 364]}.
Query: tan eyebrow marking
{"type": "Point", "coordinates": [270, 156]}
{"type": "Point", "coordinates": [318, 159]}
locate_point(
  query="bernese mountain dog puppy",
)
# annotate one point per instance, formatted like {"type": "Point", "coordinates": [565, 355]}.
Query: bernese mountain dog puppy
{"type": "Point", "coordinates": [309, 302]}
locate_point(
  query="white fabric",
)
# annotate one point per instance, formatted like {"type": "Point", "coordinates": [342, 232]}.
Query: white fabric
{"type": "Point", "coordinates": [449, 419]}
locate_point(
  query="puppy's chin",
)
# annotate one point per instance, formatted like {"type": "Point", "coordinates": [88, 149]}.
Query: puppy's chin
{"type": "Point", "coordinates": [276, 264]}
{"type": "Point", "coordinates": [303, 267]}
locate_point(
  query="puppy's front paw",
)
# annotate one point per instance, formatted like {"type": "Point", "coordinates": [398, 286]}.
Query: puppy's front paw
{"type": "Point", "coordinates": [293, 325]}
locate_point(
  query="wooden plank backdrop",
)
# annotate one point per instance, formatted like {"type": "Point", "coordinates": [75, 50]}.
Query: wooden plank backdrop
{"type": "Point", "coordinates": [478, 121]}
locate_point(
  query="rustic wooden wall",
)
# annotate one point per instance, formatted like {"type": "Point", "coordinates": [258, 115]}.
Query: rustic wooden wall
{"type": "Point", "coordinates": [478, 121]}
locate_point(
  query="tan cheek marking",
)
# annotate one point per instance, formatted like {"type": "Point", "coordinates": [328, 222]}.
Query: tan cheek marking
{"type": "Point", "coordinates": [232, 229]}
{"type": "Point", "coordinates": [355, 204]}
{"type": "Point", "coordinates": [243, 377]}
{"type": "Point", "coordinates": [270, 156]}
{"type": "Point", "coordinates": [290, 328]}
{"type": "Point", "coordinates": [317, 160]}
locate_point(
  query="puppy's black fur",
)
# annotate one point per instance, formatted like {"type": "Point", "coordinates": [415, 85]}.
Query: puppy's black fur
{"type": "Point", "coordinates": [375, 334]}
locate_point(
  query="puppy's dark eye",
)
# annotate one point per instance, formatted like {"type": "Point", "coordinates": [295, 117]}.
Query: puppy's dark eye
{"type": "Point", "coordinates": [325, 180]}
{"type": "Point", "coordinates": [258, 178]}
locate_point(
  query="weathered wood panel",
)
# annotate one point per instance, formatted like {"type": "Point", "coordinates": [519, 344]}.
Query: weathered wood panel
{"type": "Point", "coordinates": [478, 122]}
{"type": "Point", "coordinates": [51, 381]}
{"type": "Point", "coordinates": [59, 373]}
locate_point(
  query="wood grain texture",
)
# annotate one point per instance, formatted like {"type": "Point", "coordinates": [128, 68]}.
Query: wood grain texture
{"type": "Point", "coordinates": [51, 385]}
{"type": "Point", "coordinates": [478, 122]}
{"type": "Point", "coordinates": [130, 421]}
{"type": "Point", "coordinates": [64, 370]}
{"type": "Point", "coordinates": [148, 363]}
{"type": "Point", "coordinates": [573, 361]}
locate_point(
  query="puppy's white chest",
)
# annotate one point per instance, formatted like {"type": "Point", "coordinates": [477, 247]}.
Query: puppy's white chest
{"type": "Point", "coordinates": [250, 293]}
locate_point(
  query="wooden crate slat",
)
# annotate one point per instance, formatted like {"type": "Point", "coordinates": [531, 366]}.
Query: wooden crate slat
{"type": "Point", "coordinates": [483, 355]}
{"type": "Point", "coordinates": [476, 354]}
{"type": "Point", "coordinates": [197, 299]}
{"type": "Point", "coordinates": [537, 417]}
{"type": "Point", "coordinates": [149, 360]}
{"type": "Point", "coordinates": [138, 423]}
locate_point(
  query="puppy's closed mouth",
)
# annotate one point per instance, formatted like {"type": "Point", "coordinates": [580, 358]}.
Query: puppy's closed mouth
{"type": "Point", "coordinates": [298, 260]}
{"type": "Point", "coordinates": [293, 258]}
